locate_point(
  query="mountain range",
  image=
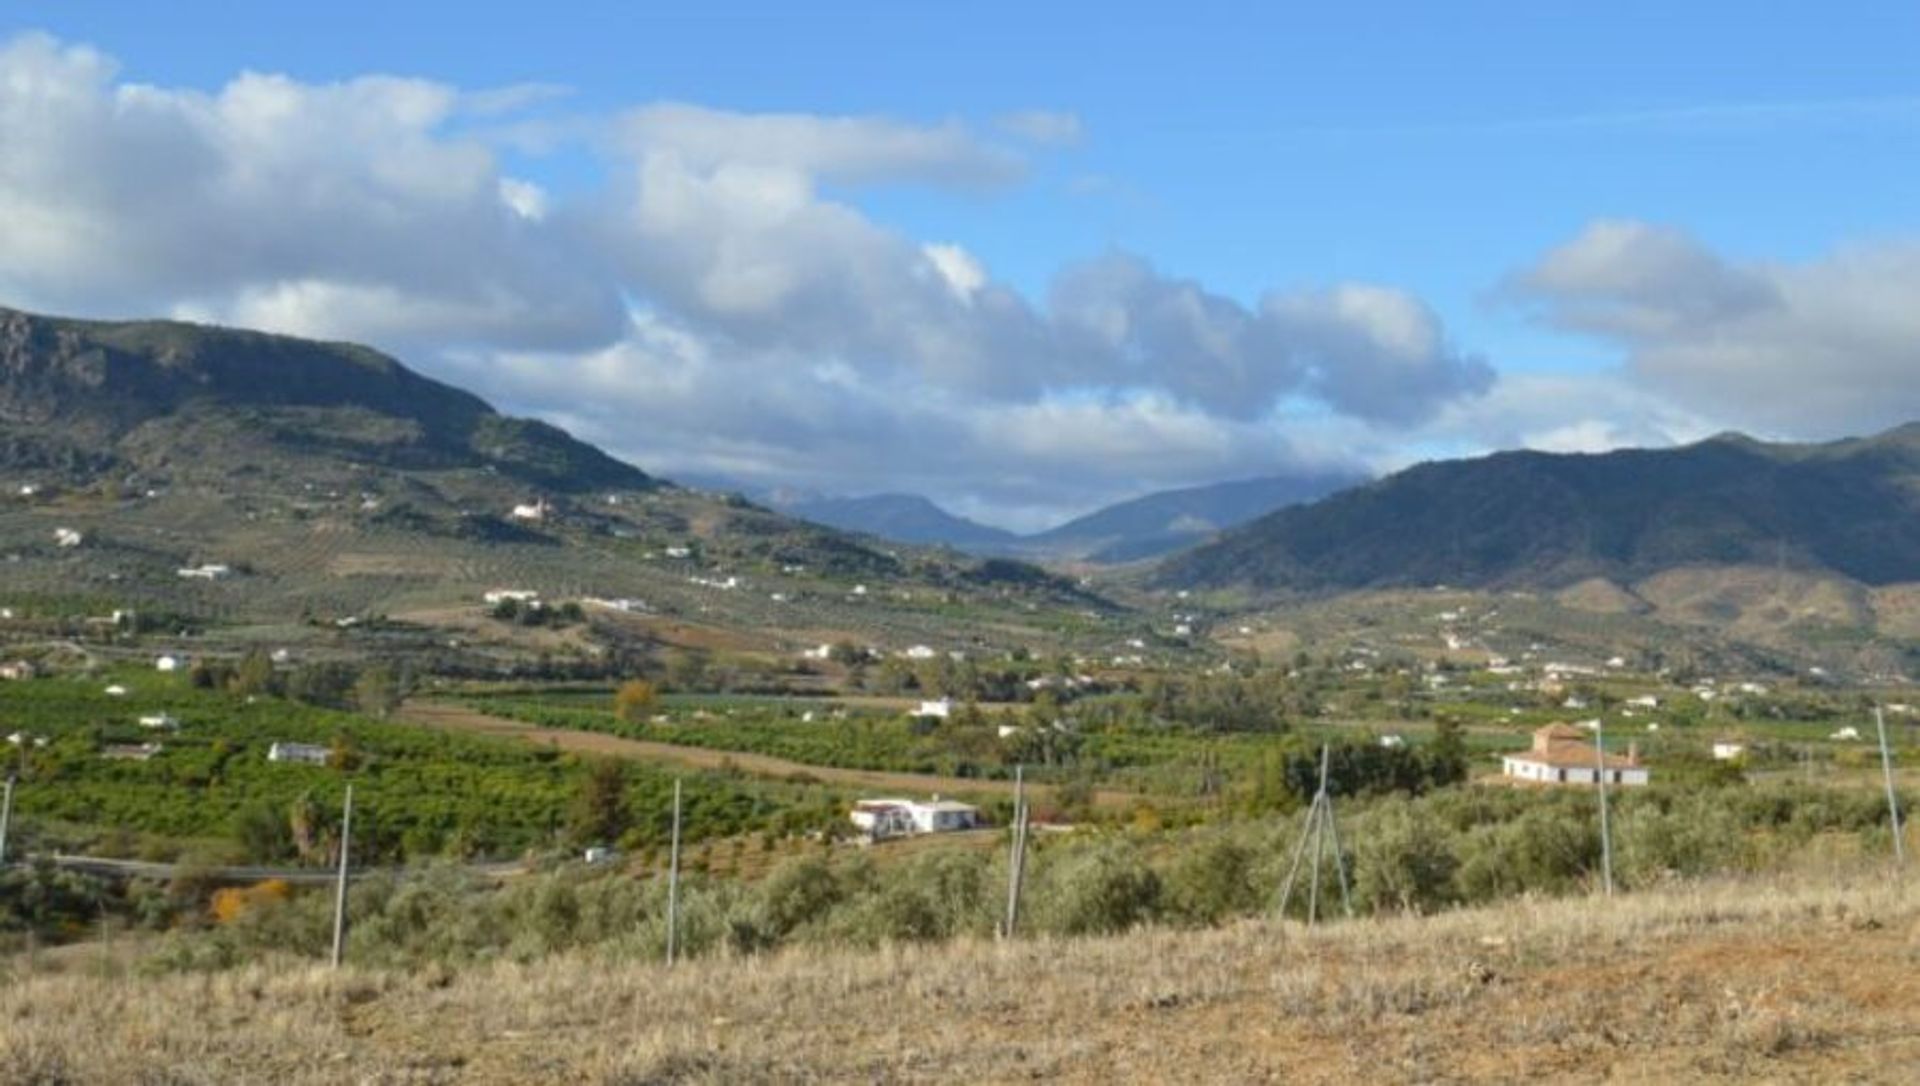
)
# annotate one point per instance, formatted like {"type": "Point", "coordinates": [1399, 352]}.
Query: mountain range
{"type": "Point", "coordinates": [1534, 519]}
{"type": "Point", "coordinates": [328, 479]}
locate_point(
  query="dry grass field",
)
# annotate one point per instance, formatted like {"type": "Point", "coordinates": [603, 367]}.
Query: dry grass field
{"type": "Point", "coordinates": [1803, 979]}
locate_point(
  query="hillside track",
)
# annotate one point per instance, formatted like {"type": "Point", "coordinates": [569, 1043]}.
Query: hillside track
{"type": "Point", "coordinates": [460, 718]}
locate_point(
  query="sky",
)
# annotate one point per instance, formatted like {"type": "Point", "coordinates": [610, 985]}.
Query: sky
{"type": "Point", "coordinates": [1023, 259]}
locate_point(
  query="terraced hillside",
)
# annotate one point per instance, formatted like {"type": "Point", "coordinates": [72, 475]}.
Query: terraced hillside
{"type": "Point", "coordinates": [328, 484]}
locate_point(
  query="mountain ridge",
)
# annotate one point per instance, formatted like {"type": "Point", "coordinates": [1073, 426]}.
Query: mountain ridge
{"type": "Point", "coordinates": [1533, 519]}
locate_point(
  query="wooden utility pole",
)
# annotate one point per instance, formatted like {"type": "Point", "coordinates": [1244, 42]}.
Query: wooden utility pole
{"type": "Point", "coordinates": [1017, 854]}
{"type": "Point", "coordinates": [1893, 801]}
{"type": "Point", "coordinates": [1606, 828]}
{"type": "Point", "coordinates": [6, 819]}
{"type": "Point", "coordinates": [1319, 831]}
{"type": "Point", "coordinates": [340, 890]}
{"type": "Point", "coordinates": [673, 879]}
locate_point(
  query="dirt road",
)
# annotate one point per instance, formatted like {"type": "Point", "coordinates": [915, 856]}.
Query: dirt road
{"type": "Point", "coordinates": [460, 718]}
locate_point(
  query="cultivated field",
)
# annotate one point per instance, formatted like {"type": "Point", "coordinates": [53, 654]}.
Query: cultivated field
{"type": "Point", "coordinates": [1807, 979]}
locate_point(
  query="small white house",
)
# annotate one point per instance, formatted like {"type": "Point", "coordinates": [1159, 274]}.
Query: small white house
{"type": "Point", "coordinates": [207, 571]}
{"type": "Point", "coordinates": [167, 663]}
{"type": "Point", "coordinates": [160, 722]}
{"type": "Point", "coordinates": [301, 753]}
{"type": "Point", "coordinates": [1561, 755]}
{"type": "Point", "coordinates": [18, 669]}
{"type": "Point", "coordinates": [943, 708]}
{"type": "Point", "coordinates": [537, 511]}
{"type": "Point", "coordinates": [883, 818]}
{"type": "Point", "coordinates": [1727, 750]}
{"type": "Point", "coordinates": [115, 691]}
{"type": "Point", "coordinates": [67, 538]}
{"type": "Point", "coordinates": [497, 596]}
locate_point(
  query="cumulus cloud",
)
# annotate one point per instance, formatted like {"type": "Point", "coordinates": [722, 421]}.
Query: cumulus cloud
{"type": "Point", "coordinates": [339, 207]}
{"type": "Point", "coordinates": [1813, 349]}
{"type": "Point", "coordinates": [720, 302]}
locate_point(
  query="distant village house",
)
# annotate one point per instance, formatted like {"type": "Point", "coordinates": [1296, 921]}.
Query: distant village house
{"type": "Point", "coordinates": [300, 753]}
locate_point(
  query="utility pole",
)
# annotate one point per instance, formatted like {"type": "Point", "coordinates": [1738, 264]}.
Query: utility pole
{"type": "Point", "coordinates": [673, 879]}
{"type": "Point", "coordinates": [1606, 829]}
{"type": "Point", "coordinates": [6, 819]}
{"type": "Point", "coordinates": [1017, 854]}
{"type": "Point", "coordinates": [1893, 801]}
{"type": "Point", "coordinates": [340, 890]}
{"type": "Point", "coordinates": [1314, 838]}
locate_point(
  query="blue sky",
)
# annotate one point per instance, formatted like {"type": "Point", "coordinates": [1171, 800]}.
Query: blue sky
{"type": "Point", "coordinates": [1445, 152]}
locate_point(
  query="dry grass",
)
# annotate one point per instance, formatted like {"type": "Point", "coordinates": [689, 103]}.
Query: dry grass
{"type": "Point", "coordinates": [1775, 981]}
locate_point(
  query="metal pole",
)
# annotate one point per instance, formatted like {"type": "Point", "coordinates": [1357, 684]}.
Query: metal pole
{"type": "Point", "coordinates": [1339, 860]}
{"type": "Point", "coordinates": [1299, 854]}
{"type": "Point", "coordinates": [1606, 829]}
{"type": "Point", "coordinates": [673, 879]}
{"type": "Point", "coordinates": [1319, 841]}
{"type": "Point", "coordinates": [340, 892]}
{"type": "Point", "coordinates": [1893, 802]}
{"type": "Point", "coordinates": [6, 819]}
{"type": "Point", "coordinates": [1016, 852]}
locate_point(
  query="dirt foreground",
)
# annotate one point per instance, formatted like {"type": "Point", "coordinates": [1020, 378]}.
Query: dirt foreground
{"type": "Point", "coordinates": [1740, 981]}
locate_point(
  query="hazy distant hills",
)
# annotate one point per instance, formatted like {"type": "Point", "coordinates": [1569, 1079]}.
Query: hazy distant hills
{"type": "Point", "coordinates": [1539, 519]}
{"type": "Point", "coordinates": [1128, 531]}
{"type": "Point", "coordinates": [1165, 521]}
{"type": "Point", "coordinates": [904, 518]}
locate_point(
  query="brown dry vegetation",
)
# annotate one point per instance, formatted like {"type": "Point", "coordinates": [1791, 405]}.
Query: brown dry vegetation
{"type": "Point", "coordinates": [1807, 979]}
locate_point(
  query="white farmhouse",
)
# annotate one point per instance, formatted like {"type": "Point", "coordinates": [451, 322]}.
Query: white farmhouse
{"type": "Point", "coordinates": [1727, 750]}
{"type": "Point", "coordinates": [537, 511]}
{"type": "Point", "coordinates": [66, 538]}
{"type": "Point", "coordinates": [160, 722]}
{"type": "Point", "coordinates": [919, 652]}
{"type": "Point", "coordinates": [207, 571]}
{"type": "Point", "coordinates": [1561, 755]}
{"type": "Point", "coordinates": [496, 596]}
{"type": "Point", "coordinates": [943, 708]}
{"type": "Point", "coordinates": [883, 818]}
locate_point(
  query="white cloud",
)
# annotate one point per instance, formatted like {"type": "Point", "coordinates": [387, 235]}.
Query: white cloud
{"type": "Point", "coordinates": [1815, 349]}
{"type": "Point", "coordinates": [849, 150]}
{"type": "Point", "coordinates": [1043, 127]}
{"type": "Point", "coordinates": [720, 303]}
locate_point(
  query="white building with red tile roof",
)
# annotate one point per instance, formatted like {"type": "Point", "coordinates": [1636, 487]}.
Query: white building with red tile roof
{"type": "Point", "coordinates": [1561, 755]}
